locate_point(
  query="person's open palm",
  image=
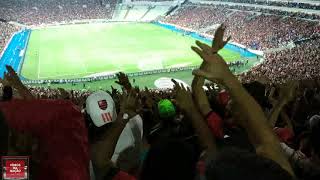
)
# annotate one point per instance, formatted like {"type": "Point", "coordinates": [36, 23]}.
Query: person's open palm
{"type": "Point", "coordinates": [123, 80]}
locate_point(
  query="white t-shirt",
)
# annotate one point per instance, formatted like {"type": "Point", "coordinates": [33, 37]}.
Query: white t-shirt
{"type": "Point", "coordinates": [130, 136]}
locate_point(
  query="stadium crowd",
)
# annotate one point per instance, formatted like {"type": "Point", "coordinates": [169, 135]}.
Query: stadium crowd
{"type": "Point", "coordinates": [229, 131]}
{"type": "Point", "coordinates": [6, 31]}
{"type": "Point", "coordinates": [302, 5]}
{"type": "Point", "coordinates": [245, 27]}
{"type": "Point", "coordinates": [37, 12]}
{"type": "Point", "coordinates": [303, 15]}
{"type": "Point", "coordinates": [298, 63]}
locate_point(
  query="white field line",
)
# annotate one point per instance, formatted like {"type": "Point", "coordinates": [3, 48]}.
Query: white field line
{"type": "Point", "coordinates": [84, 66]}
{"type": "Point", "coordinates": [39, 61]}
{"type": "Point", "coordinates": [73, 74]}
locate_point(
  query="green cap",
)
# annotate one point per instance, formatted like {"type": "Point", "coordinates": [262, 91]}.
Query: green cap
{"type": "Point", "coordinates": [166, 108]}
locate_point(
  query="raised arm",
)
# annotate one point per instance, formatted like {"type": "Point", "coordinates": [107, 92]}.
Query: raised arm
{"type": "Point", "coordinates": [287, 93]}
{"type": "Point", "coordinates": [256, 125]}
{"type": "Point", "coordinates": [200, 96]}
{"type": "Point", "coordinates": [186, 104]}
{"type": "Point", "coordinates": [102, 151]}
{"type": "Point", "coordinates": [123, 81]}
{"type": "Point", "coordinates": [13, 80]}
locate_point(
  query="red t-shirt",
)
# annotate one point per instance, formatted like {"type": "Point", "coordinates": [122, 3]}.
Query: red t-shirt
{"type": "Point", "coordinates": [284, 134]}
{"type": "Point", "coordinates": [215, 124]}
{"type": "Point", "coordinates": [121, 175]}
{"type": "Point", "coordinates": [60, 129]}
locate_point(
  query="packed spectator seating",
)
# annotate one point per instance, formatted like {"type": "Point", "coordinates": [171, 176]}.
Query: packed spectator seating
{"type": "Point", "coordinates": [229, 130]}
{"type": "Point", "coordinates": [286, 3]}
{"type": "Point", "coordinates": [6, 31]}
{"type": "Point", "coordinates": [44, 12]}
{"type": "Point", "coordinates": [254, 30]}
{"type": "Point", "coordinates": [298, 63]}
{"type": "Point", "coordinates": [154, 0]}
{"type": "Point", "coordinates": [266, 126]}
{"type": "Point", "coordinates": [197, 17]}
{"type": "Point", "coordinates": [274, 11]}
{"type": "Point", "coordinates": [261, 31]}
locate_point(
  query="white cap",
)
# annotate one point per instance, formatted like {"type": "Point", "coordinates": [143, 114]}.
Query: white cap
{"type": "Point", "coordinates": [101, 108]}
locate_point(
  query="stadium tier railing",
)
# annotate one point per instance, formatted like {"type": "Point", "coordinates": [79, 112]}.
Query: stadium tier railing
{"type": "Point", "coordinates": [111, 76]}
{"type": "Point", "coordinates": [239, 64]}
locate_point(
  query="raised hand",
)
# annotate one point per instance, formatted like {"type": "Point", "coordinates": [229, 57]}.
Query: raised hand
{"type": "Point", "coordinates": [288, 91]}
{"type": "Point", "coordinates": [213, 67]}
{"type": "Point", "coordinates": [129, 103]}
{"type": "Point", "coordinates": [63, 93]}
{"type": "Point", "coordinates": [123, 81]}
{"type": "Point", "coordinates": [11, 78]}
{"type": "Point", "coordinates": [114, 91]}
{"type": "Point", "coordinates": [183, 96]}
{"type": "Point", "coordinates": [218, 42]}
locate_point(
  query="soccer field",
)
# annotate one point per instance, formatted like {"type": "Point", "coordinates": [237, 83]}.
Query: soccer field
{"type": "Point", "coordinates": [86, 50]}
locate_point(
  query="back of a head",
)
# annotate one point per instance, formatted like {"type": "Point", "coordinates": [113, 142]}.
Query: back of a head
{"type": "Point", "coordinates": [170, 160]}
{"type": "Point", "coordinates": [7, 93]}
{"type": "Point", "coordinates": [315, 136]}
{"type": "Point", "coordinates": [232, 164]}
{"type": "Point", "coordinates": [4, 132]}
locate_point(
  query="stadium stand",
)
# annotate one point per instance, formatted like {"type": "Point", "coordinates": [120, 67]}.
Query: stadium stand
{"type": "Point", "coordinates": [264, 126]}
{"type": "Point", "coordinates": [140, 12]}
{"type": "Point", "coordinates": [136, 12]}
{"type": "Point", "coordinates": [282, 3]}
{"type": "Point", "coordinates": [300, 62]}
{"type": "Point", "coordinates": [14, 53]}
{"type": "Point", "coordinates": [260, 30]}
{"type": "Point", "coordinates": [258, 36]}
{"type": "Point", "coordinates": [6, 31]}
{"type": "Point", "coordinates": [45, 12]}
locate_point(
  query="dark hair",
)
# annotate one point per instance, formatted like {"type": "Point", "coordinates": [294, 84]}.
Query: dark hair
{"type": "Point", "coordinates": [170, 160]}
{"type": "Point", "coordinates": [94, 133]}
{"type": "Point", "coordinates": [315, 136]}
{"type": "Point", "coordinates": [7, 93]}
{"type": "Point", "coordinates": [4, 132]}
{"type": "Point", "coordinates": [257, 91]}
{"type": "Point", "coordinates": [234, 163]}
{"type": "Point", "coordinates": [305, 138]}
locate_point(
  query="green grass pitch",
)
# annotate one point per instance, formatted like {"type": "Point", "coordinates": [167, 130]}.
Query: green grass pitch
{"type": "Point", "coordinates": [76, 51]}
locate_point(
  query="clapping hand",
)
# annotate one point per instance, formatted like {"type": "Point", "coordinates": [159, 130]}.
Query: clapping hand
{"type": "Point", "coordinates": [213, 67]}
